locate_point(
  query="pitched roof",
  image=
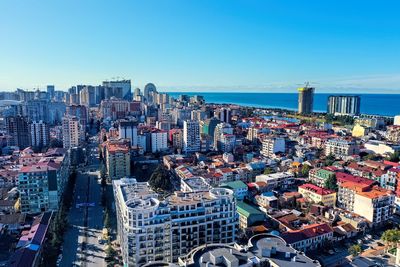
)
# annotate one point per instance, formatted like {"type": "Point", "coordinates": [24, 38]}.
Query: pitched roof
{"type": "Point", "coordinates": [247, 209]}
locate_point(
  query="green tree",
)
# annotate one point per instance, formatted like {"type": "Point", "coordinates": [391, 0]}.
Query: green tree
{"type": "Point", "coordinates": [56, 143]}
{"type": "Point", "coordinates": [355, 250]}
{"type": "Point", "coordinates": [391, 237]}
{"type": "Point", "coordinates": [305, 170]}
{"type": "Point", "coordinates": [331, 183]}
{"type": "Point", "coordinates": [329, 160]}
{"type": "Point", "coordinates": [394, 157]}
{"type": "Point", "coordinates": [110, 253]}
{"type": "Point", "coordinates": [268, 171]}
{"type": "Point", "coordinates": [160, 179]}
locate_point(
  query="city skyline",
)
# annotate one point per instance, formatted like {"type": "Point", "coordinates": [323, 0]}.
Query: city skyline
{"type": "Point", "coordinates": [207, 46]}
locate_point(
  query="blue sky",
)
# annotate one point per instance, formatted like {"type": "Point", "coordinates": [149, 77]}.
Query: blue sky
{"type": "Point", "coordinates": [202, 45]}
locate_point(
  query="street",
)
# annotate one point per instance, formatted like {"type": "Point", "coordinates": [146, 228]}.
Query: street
{"type": "Point", "coordinates": [81, 246]}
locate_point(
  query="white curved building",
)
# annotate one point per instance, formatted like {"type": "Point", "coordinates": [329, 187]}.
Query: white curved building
{"type": "Point", "coordinates": [152, 230]}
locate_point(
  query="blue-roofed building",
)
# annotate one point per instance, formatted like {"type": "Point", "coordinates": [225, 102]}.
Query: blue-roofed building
{"type": "Point", "coordinates": [29, 247]}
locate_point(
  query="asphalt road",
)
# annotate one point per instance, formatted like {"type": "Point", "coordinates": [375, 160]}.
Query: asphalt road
{"type": "Point", "coordinates": [81, 247]}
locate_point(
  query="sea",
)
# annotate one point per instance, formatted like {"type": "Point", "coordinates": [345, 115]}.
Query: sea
{"type": "Point", "coordinates": [372, 104]}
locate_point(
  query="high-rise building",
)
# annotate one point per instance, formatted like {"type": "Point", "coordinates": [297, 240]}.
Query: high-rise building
{"type": "Point", "coordinates": [37, 110]}
{"type": "Point", "coordinates": [344, 105]}
{"type": "Point", "coordinates": [176, 138]}
{"type": "Point", "coordinates": [137, 95]}
{"type": "Point", "coordinates": [18, 131]}
{"type": "Point", "coordinates": [223, 114]}
{"type": "Point", "coordinates": [128, 130]}
{"type": "Point", "coordinates": [88, 96]}
{"type": "Point", "coordinates": [79, 111]}
{"type": "Point", "coordinates": [149, 90]}
{"type": "Point", "coordinates": [123, 85]}
{"type": "Point", "coordinates": [159, 141]}
{"type": "Point", "coordinates": [208, 126]}
{"type": "Point", "coordinates": [306, 99]}
{"type": "Point", "coordinates": [118, 160]}
{"type": "Point", "coordinates": [40, 134]}
{"type": "Point", "coordinates": [73, 132]}
{"type": "Point", "coordinates": [42, 184]}
{"type": "Point", "coordinates": [153, 230]}
{"type": "Point", "coordinates": [191, 136]}
{"type": "Point", "coordinates": [221, 129]}
{"type": "Point", "coordinates": [50, 91]}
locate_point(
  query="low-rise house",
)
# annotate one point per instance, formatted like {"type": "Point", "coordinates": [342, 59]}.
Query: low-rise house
{"type": "Point", "coordinates": [280, 180]}
{"type": "Point", "coordinates": [30, 245]}
{"type": "Point", "coordinates": [249, 215]}
{"type": "Point", "coordinates": [311, 237]}
{"type": "Point", "coordinates": [318, 176]}
{"type": "Point", "coordinates": [266, 200]}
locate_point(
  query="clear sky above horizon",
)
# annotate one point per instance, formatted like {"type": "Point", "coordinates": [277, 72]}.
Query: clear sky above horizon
{"type": "Point", "coordinates": [349, 46]}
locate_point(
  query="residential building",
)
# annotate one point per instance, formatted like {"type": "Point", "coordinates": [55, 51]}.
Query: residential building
{"type": "Point", "coordinates": [319, 176]}
{"type": "Point", "coordinates": [128, 130]}
{"type": "Point", "coordinates": [261, 250]}
{"type": "Point", "coordinates": [176, 137]}
{"type": "Point", "coordinates": [316, 194]}
{"type": "Point", "coordinates": [249, 215]}
{"type": "Point", "coordinates": [41, 184]}
{"type": "Point", "coordinates": [73, 132]}
{"type": "Point", "coordinates": [17, 131]}
{"type": "Point", "coordinates": [393, 133]}
{"type": "Point", "coordinates": [37, 110]}
{"type": "Point", "coordinates": [381, 148]}
{"type": "Point", "coordinates": [311, 237]}
{"type": "Point", "coordinates": [153, 230]}
{"type": "Point", "coordinates": [306, 100]}
{"type": "Point", "coordinates": [220, 130]}
{"type": "Point", "coordinates": [191, 136]}
{"type": "Point", "coordinates": [348, 105]}
{"type": "Point", "coordinates": [239, 189]}
{"type": "Point", "coordinates": [372, 202]}
{"type": "Point", "coordinates": [272, 145]}
{"type": "Point", "coordinates": [79, 111]}
{"type": "Point", "coordinates": [118, 161]}
{"type": "Point", "coordinates": [340, 148]}
{"type": "Point", "coordinates": [123, 85]}
{"type": "Point", "coordinates": [30, 246]}
{"type": "Point", "coordinates": [40, 134]}
{"type": "Point", "coordinates": [280, 180]}
{"type": "Point", "coordinates": [159, 141]}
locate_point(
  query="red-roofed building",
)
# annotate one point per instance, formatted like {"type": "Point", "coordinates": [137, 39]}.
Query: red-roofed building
{"type": "Point", "coordinates": [318, 194]}
{"type": "Point", "coordinates": [118, 160]}
{"type": "Point", "coordinates": [311, 237]}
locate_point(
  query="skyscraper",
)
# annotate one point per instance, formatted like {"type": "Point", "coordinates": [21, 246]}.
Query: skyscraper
{"type": "Point", "coordinates": [149, 90]}
{"type": "Point", "coordinates": [344, 105]}
{"type": "Point", "coordinates": [124, 85]}
{"type": "Point", "coordinates": [306, 99]}
{"type": "Point", "coordinates": [191, 136]}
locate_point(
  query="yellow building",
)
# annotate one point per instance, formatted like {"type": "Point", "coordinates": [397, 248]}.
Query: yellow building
{"type": "Point", "coordinates": [360, 131]}
{"type": "Point", "coordinates": [318, 194]}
